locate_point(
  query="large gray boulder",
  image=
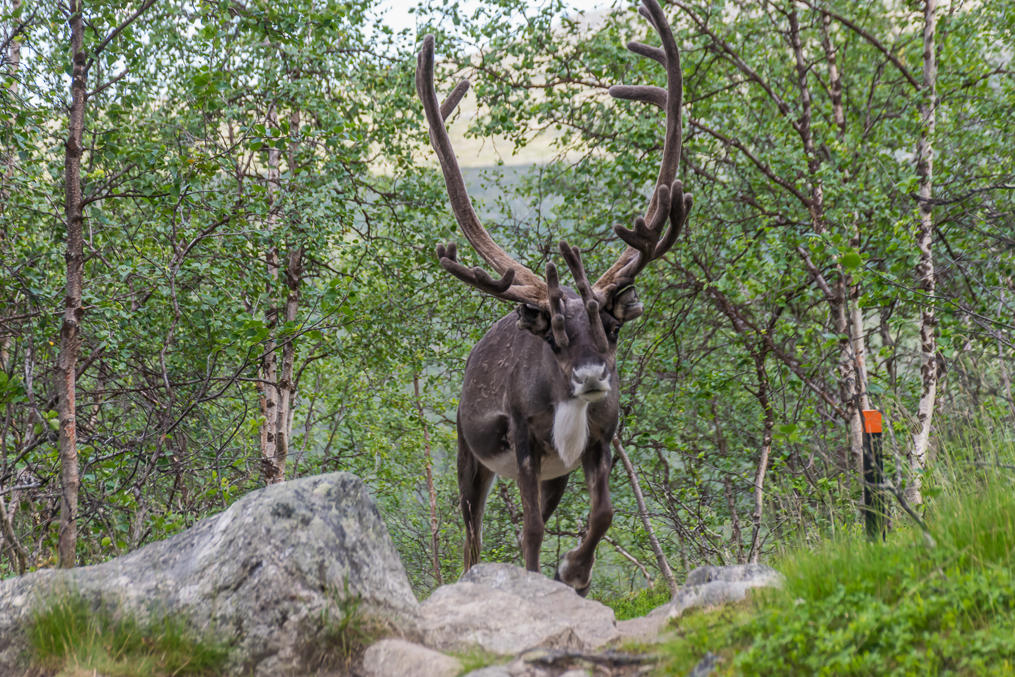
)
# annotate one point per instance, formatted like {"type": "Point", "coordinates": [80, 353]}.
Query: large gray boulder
{"type": "Point", "coordinates": [506, 610]}
{"type": "Point", "coordinates": [264, 576]}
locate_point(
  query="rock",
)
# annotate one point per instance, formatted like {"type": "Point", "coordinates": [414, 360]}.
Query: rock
{"type": "Point", "coordinates": [706, 666]}
{"type": "Point", "coordinates": [568, 663]}
{"type": "Point", "coordinates": [642, 629]}
{"type": "Point", "coordinates": [758, 574]}
{"type": "Point", "coordinates": [710, 586]}
{"type": "Point", "coordinates": [263, 576]}
{"type": "Point", "coordinates": [498, 670]}
{"type": "Point", "coordinates": [391, 657]}
{"type": "Point", "coordinates": [505, 610]}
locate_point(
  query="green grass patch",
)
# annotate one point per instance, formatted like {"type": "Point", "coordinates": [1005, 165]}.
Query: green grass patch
{"type": "Point", "coordinates": [636, 604]}
{"type": "Point", "coordinates": [476, 659]}
{"type": "Point", "coordinates": [68, 635]}
{"type": "Point", "coordinates": [905, 607]}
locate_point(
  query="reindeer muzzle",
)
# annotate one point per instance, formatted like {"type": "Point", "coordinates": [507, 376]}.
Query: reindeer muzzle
{"type": "Point", "coordinates": [591, 382]}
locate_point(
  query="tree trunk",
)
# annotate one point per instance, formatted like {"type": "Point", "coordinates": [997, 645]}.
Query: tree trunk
{"type": "Point", "coordinates": [839, 294]}
{"type": "Point", "coordinates": [664, 565]}
{"type": "Point", "coordinates": [267, 384]}
{"type": "Point", "coordinates": [857, 333]}
{"type": "Point", "coordinates": [434, 523]}
{"type": "Point", "coordinates": [20, 557]}
{"type": "Point", "coordinates": [925, 265]}
{"type": "Point", "coordinates": [10, 159]}
{"type": "Point", "coordinates": [69, 331]}
{"type": "Point", "coordinates": [1002, 358]}
{"type": "Point", "coordinates": [763, 456]}
{"type": "Point", "coordinates": [286, 386]}
{"type": "Point", "coordinates": [277, 384]}
{"type": "Point", "coordinates": [736, 535]}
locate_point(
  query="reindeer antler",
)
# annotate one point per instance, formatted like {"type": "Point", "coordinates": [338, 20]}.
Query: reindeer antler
{"type": "Point", "coordinates": [517, 283]}
{"type": "Point", "coordinates": [573, 259]}
{"type": "Point", "coordinates": [647, 241]}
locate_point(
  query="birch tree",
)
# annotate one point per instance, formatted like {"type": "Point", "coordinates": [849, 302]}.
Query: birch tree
{"type": "Point", "coordinates": [73, 313]}
{"type": "Point", "coordinates": [925, 266]}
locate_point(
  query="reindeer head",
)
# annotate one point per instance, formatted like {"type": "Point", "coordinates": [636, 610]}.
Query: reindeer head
{"type": "Point", "coordinates": [581, 327]}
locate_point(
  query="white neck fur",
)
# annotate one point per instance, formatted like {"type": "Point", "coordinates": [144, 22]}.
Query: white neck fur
{"type": "Point", "coordinates": [571, 430]}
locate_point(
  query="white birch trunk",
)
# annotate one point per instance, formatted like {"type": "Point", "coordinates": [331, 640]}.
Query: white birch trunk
{"type": "Point", "coordinates": [925, 265]}
{"type": "Point", "coordinates": [268, 371]}
{"type": "Point", "coordinates": [72, 313]}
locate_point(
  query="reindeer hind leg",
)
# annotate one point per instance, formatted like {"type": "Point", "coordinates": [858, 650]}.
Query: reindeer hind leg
{"type": "Point", "coordinates": [474, 482]}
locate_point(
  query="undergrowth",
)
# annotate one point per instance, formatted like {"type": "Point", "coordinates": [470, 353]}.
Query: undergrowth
{"type": "Point", "coordinates": [637, 603]}
{"type": "Point", "coordinates": [910, 606]}
{"type": "Point", "coordinates": [345, 633]}
{"type": "Point", "coordinates": [67, 635]}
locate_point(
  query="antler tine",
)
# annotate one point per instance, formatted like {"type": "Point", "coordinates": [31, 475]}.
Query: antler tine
{"type": "Point", "coordinates": [648, 238]}
{"type": "Point", "coordinates": [527, 286]}
{"type": "Point", "coordinates": [477, 277]}
{"type": "Point", "coordinates": [454, 98]}
{"type": "Point", "coordinates": [680, 208]}
{"type": "Point", "coordinates": [555, 297]}
{"type": "Point", "coordinates": [573, 259]}
{"type": "Point", "coordinates": [639, 253]}
{"type": "Point", "coordinates": [641, 49]}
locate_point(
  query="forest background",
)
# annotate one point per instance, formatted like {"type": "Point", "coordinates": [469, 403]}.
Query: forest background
{"type": "Point", "coordinates": [217, 226]}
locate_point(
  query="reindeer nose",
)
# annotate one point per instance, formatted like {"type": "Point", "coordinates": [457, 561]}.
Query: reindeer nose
{"type": "Point", "coordinates": [591, 382]}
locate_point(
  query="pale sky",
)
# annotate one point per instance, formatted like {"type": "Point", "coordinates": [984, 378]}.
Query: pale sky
{"type": "Point", "coordinates": [397, 15]}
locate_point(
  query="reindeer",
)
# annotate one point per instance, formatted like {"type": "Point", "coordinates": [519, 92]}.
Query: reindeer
{"type": "Point", "coordinates": [540, 392]}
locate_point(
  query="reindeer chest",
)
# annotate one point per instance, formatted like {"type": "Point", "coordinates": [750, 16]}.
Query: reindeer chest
{"type": "Point", "coordinates": [559, 449]}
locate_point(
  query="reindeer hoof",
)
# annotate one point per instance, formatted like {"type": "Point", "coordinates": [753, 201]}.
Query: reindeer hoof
{"type": "Point", "coordinates": [581, 588]}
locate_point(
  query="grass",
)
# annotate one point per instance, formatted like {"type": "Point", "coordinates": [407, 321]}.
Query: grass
{"type": "Point", "coordinates": [635, 604]}
{"type": "Point", "coordinates": [346, 632]}
{"type": "Point", "coordinates": [904, 607]}
{"type": "Point", "coordinates": [68, 636]}
{"type": "Point", "coordinates": [476, 659]}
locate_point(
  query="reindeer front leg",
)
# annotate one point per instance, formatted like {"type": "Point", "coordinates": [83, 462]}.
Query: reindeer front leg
{"type": "Point", "coordinates": [575, 567]}
{"type": "Point", "coordinates": [528, 487]}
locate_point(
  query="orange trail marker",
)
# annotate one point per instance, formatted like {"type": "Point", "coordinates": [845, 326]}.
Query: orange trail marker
{"type": "Point", "coordinates": [871, 421]}
{"type": "Point", "coordinates": [874, 515]}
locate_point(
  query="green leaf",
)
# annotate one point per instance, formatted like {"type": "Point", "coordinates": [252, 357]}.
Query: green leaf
{"type": "Point", "coordinates": [851, 260]}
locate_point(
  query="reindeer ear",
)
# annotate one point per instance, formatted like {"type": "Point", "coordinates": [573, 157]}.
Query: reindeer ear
{"type": "Point", "coordinates": [625, 305]}
{"type": "Point", "coordinates": [533, 319]}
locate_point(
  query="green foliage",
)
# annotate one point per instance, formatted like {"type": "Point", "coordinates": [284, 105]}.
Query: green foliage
{"type": "Point", "coordinates": [68, 634]}
{"type": "Point", "coordinates": [184, 213]}
{"type": "Point", "coordinates": [855, 607]}
{"type": "Point", "coordinates": [635, 604]}
{"type": "Point", "coordinates": [700, 632]}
